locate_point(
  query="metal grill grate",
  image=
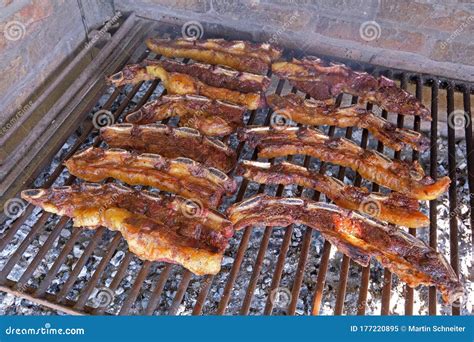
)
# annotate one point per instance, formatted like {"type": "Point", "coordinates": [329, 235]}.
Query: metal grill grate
{"type": "Point", "coordinates": [216, 294]}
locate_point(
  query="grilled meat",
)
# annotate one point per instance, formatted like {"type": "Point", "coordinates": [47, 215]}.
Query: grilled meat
{"type": "Point", "coordinates": [403, 254]}
{"type": "Point", "coordinates": [394, 207]}
{"type": "Point", "coordinates": [401, 176]}
{"type": "Point", "coordinates": [171, 142]}
{"type": "Point", "coordinates": [237, 54]}
{"type": "Point", "coordinates": [213, 75]}
{"type": "Point", "coordinates": [322, 81]}
{"type": "Point", "coordinates": [182, 176]}
{"type": "Point", "coordinates": [211, 117]}
{"type": "Point", "coordinates": [156, 228]}
{"type": "Point", "coordinates": [318, 113]}
{"type": "Point", "coordinates": [181, 83]}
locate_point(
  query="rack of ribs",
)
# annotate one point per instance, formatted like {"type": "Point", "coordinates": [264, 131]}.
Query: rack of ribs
{"type": "Point", "coordinates": [237, 54]}
{"type": "Point", "coordinates": [211, 81]}
{"type": "Point", "coordinates": [171, 142]}
{"type": "Point", "coordinates": [401, 176]}
{"type": "Point", "coordinates": [213, 75]}
{"type": "Point", "coordinates": [210, 117]}
{"type": "Point", "coordinates": [321, 81]}
{"type": "Point", "coordinates": [393, 207]}
{"type": "Point", "coordinates": [156, 228]}
{"type": "Point", "coordinates": [357, 237]}
{"type": "Point", "coordinates": [180, 175]}
{"type": "Point", "coordinates": [318, 113]}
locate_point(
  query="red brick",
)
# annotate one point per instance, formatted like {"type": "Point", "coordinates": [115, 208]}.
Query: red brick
{"type": "Point", "coordinates": [454, 52]}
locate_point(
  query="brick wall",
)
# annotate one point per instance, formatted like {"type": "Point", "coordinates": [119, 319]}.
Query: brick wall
{"type": "Point", "coordinates": [36, 36]}
{"type": "Point", "coordinates": [434, 36]}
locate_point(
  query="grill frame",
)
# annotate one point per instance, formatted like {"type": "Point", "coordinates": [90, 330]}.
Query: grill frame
{"type": "Point", "coordinates": [59, 301]}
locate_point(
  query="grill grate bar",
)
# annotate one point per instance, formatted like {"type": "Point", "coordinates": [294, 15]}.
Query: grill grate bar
{"type": "Point", "coordinates": [80, 264]}
{"type": "Point", "coordinates": [469, 152]}
{"type": "Point", "coordinates": [201, 299]}
{"type": "Point", "coordinates": [117, 279]}
{"type": "Point", "coordinates": [23, 246]}
{"type": "Point", "coordinates": [84, 296]}
{"type": "Point", "coordinates": [135, 290]}
{"type": "Point", "coordinates": [433, 240]}
{"type": "Point", "coordinates": [256, 271]}
{"type": "Point", "coordinates": [43, 286]}
{"type": "Point", "coordinates": [156, 295]}
{"type": "Point", "coordinates": [453, 215]}
{"type": "Point", "coordinates": [409, 295]}
{"type": "Point", "coordinates": [178, 298]}
{"type": "Point", "coordinates": [42, 252]}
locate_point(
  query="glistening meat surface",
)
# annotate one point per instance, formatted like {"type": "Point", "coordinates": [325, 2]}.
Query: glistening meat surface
{"type": "Point", "coordinates": [237, 54]}
{"type": "Point", "coordinates": [394, 207]}
{"type": "Point", "coordinates": [211, 117]}
{"type": "Point", "coordinates": [356, 236]}
{"type": "Point", "coordinates": [171, 142]}
{"type": "Point", "coordinates": [317, 113]}
{"type": "Point", "coordinates": [156, 228]}
{"type": "Point", "coordinates": [405, 177]}
{"type": "Point", "coordinates": [182, 176]}
{"type": "Point", "coordinates": [321, 81]}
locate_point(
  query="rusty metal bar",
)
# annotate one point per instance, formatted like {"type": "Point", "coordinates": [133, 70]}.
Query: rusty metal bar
{"type": "Point", "coordinates": [156, 295]}
{"type": "Point", "coordinates": [453, 203]}
{"type": "Point", "coordinates": [432, 310]}
{"type": "Point", "coordinates": [135, 290]}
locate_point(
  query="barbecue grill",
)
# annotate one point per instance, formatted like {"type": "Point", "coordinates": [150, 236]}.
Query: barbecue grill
{"type": "Point", "coordinates": [80, 271]}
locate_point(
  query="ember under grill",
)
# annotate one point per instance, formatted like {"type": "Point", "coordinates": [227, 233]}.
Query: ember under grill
{"type": "Point", "coordinates": [265, 270]}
